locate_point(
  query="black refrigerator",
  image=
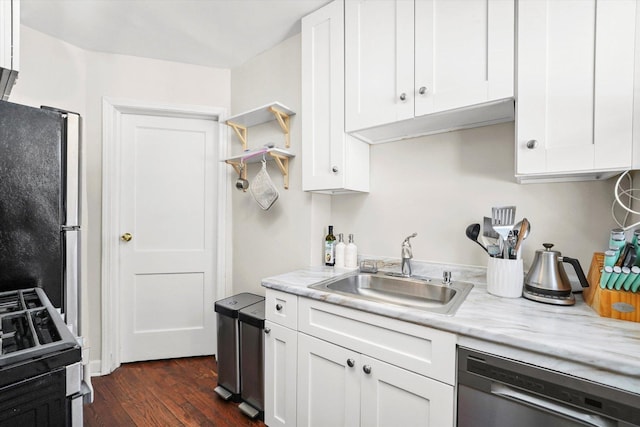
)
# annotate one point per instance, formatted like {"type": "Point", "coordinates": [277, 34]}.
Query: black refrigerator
{"type": "Point", "coordinates": [39, 204]}
{"type": "Point", "coordinates": [40, 245]}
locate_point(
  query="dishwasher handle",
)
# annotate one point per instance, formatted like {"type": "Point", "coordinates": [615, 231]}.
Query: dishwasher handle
{"type": "Point", "coordinates": [548, 405]}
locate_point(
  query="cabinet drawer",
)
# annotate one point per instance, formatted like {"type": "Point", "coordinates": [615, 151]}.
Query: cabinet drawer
{"type": "Point", "coordinates": [416, 348]}
{"type": "Point", "coordinates": [282, 308]}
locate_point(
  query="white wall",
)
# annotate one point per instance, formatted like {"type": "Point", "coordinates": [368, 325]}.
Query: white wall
{"type": "Point", "coordinates": [52, 73]}
{"type": "Point", "coordinates": [58, 74]}
{"type": "Point", "coordinates": [437, 185]}
{"type": "Point", "coordinates": [278, 240]}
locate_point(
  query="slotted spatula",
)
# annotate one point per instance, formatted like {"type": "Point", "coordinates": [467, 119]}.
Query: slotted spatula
{"type": "Point", "coordinates": [502, 220]}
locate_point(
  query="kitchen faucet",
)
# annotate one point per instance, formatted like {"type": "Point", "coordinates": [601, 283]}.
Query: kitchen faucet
{"type": "Point", "coordinates": [407, 254]}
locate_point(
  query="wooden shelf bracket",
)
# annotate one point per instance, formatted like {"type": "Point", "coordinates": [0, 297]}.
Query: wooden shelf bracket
{"type": "Point", "coordinates": [283, 120]}
{"type": "Point", "coordinates": [241, 131]}
{"type": "Point", "coordinates": [240, 169]}
{"type": "Point", "coordinates": [283, 165]}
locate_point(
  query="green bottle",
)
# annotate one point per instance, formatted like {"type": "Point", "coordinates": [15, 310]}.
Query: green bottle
{"type": "Point", "coordinates": [330, 248]}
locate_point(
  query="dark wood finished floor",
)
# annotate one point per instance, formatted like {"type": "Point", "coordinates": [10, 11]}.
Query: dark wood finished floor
{"type": "Point", "coordinates": [176, 392]}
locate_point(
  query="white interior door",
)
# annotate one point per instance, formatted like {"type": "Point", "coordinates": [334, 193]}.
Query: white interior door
{"type": "Point", "coordinates": [167, 268]}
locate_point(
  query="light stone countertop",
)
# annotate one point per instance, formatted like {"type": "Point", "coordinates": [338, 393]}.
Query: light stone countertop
{"type": "Point", "coordinates": [574, 339]}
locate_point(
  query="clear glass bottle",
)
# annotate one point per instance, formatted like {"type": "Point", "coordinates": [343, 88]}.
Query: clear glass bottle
{"type": "Point", "coordinates": [340, 252]}
{"type": "Point", "coordinates": [329, 248]}
{"type": "Point", "coordinates": [351, 254]}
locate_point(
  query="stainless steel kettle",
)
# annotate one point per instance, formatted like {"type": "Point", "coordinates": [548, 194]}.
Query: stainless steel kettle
{"type": "Point", "coordinates": [547, 281]}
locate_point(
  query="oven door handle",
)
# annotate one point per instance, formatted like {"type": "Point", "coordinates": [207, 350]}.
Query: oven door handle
{"type": "Point", "coordinates": [550, 406]}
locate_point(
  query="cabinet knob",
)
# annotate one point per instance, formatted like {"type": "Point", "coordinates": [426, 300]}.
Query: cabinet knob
{"type": "Point", "coordinates": [422, 90]}
{"type": "Point", "coordinates": [403, 96]}
{"type": "Point", "coordinates": [366, 369]}
{"type": "Point", "coordinates": [531, 144]}
{"type": "Point", "coordinates": [278, 307]}
{"type": "Point", "coordinates": [334, 169]}
{"type": "Point", "coordinates": [351, 363]}
{"type": "Point", "coordinates": [267, 330]}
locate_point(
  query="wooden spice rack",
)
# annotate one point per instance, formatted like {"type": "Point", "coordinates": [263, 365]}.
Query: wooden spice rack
{"type": "Point", "coordinates": [266, 113]}
{"type": "Point", "coordinates": [616, 304]}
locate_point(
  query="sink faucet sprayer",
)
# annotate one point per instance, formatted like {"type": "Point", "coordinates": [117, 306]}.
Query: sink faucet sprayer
{"type": "Point", "coordinates": [407, 254]}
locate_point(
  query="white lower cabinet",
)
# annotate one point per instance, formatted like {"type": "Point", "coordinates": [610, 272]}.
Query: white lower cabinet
{"type": "Point", "coordinates": [345, 367]}
{"type": "Point", "coordinates": [392, 396]}
{"type": "Point", "coordinates": [280, 348]}
{"type": "Point", "coordinates": [340, 387]}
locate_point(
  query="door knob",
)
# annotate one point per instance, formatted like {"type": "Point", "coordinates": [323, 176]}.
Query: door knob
{"type": "Point", "coordinates": [126, 237]}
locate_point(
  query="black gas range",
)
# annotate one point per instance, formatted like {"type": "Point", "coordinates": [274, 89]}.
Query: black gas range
{"type": "Point", "coordinates": [40, 362]}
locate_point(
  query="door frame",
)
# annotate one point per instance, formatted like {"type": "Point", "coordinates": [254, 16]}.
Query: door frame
{"type": "Point", "coordinates": [112, 111]}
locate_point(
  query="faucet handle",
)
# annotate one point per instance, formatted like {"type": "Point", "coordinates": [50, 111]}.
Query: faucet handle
{"type": "Point", "coordinates": [407, 252]}
{"type": "Point", "coordinates": [446, 278]}
{"type": "Point", "coordinates": [409, 237]}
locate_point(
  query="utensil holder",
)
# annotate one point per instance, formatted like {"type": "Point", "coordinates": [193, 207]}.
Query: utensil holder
{"type": "Point", "coordinates": [616, 304]}
{"type": "Point", "coordinates": [505, 277]}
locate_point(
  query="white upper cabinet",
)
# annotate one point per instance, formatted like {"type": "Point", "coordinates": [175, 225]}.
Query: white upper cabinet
{"type": "Point", "coordinates": [379, 54]}
{"type": "Point", "coordinates": [463, 53]}
{"type": "Point", "coordinates": [414, 68]}
{"type": "Point", "coordinates": [9, 45]}
{"type": "Point", "coordinates": [333, 162]}
{"type": "Point", "coordinates": [575, 77]}
{"type": "Point", "coordinates": [9, 33]}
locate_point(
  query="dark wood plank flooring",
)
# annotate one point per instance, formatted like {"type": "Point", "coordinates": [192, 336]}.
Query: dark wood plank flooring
{"type": "Point", "coordinates": [176, 392]}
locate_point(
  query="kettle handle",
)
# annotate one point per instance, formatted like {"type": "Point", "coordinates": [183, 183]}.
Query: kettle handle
{"type": "Point", "coordinates": [578, 268]}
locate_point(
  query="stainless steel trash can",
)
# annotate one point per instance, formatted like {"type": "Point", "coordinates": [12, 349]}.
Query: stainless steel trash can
{"type": "Point", "coordinates": [228, 356]}
{"type": "Point", "coordinates": [252, 360]}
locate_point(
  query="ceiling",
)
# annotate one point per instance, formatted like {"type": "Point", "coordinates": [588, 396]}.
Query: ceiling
{"type": "Point", "coordinates": [215, 33]}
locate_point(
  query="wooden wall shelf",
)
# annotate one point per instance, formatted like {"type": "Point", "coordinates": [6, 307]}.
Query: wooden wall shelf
{"type": "Point", "coordinates": [266, 113]}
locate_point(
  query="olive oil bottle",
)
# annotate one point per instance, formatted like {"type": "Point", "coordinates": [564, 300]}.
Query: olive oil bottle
{"type": "Point", "coordinates": [330, 248]}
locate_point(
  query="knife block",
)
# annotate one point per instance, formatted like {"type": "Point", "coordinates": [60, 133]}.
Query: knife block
{"type": "Point", "coordinates": [622, 305]}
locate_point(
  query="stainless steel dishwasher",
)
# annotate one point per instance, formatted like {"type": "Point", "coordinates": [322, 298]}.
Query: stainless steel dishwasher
{"type": "Point", "coordinates": [498, 392]}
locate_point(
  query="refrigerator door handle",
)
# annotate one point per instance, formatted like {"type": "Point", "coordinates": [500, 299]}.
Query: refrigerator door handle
{"type": "Point", "coordinates": [72, 170]}
{"type": "Point", "coordinates": [72, 279]}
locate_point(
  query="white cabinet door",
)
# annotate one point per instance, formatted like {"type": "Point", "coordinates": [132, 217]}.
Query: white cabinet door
{"type": "Point", "coordinates": [280, 361]}
{"type": "Point", "coordinates": [9, 34]}
{"type": "Point", "coordinates": [378, 62]}
{"type": "Point", "coordinates": [406, 60]}
{"type": "Point", "coordinates": [328, 386]}
{"type": "Point", "coordinates": [464, 53]}
{"type": "Point", "coordinates": [332, 160]}
{"type": "Point", "coordinates": [392, 396]}
{"type": "Point", "coordinates": [575, 85]}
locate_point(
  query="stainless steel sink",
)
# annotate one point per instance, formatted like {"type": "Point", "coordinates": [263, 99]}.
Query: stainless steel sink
{"type": "Point", "coordinates": [421, 293]}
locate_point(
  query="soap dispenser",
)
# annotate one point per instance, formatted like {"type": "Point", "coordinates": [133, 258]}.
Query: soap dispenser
{"type": "Point", "coordinates": [340, 252]}
{"type": "Point", "coordinates": [351, 254]}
